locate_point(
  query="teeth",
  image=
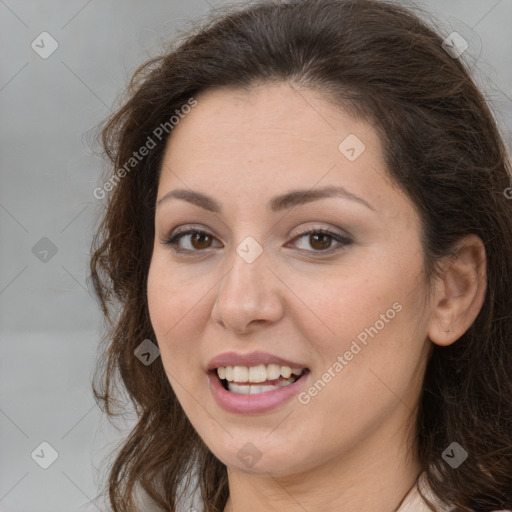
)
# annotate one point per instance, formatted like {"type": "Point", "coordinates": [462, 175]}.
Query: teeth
{"type": "Point", "coordinates": [241, 374]}
{"type": "Point", "coordinates": [248, 389]}
{"type": "Point", "coordinates": [286, 371]}
{"type": "Point", "coordinates": [273, 371]}
{"type": "Point", "coordinates": [256, 374]}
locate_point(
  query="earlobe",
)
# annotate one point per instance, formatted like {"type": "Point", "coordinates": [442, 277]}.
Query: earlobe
{"type": "Point", "coordinates": [460, 293]}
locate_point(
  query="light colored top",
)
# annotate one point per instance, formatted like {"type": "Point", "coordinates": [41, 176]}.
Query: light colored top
{"type": "Point", "coordinates": [413, 502]}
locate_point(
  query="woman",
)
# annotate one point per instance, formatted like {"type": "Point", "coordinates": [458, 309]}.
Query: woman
{"type": "Point", "coordinates": [309, 219]}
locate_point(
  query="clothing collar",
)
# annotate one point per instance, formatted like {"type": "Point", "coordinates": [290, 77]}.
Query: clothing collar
{"type": "Point", "coordinates": [413, 502]}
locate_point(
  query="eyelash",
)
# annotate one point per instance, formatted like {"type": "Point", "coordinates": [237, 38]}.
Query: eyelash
{"type": "Point", "coordinates": [344, 241]}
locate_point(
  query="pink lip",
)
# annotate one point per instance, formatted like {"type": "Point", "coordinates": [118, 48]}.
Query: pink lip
{"type": "Point", "coordinates": [252, 359]}
{"type": "Point", "coordinates": [253, 404]}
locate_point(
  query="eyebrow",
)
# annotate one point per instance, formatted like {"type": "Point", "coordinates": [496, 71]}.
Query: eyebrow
{"type": "Point", "coordinates": [276, 204]}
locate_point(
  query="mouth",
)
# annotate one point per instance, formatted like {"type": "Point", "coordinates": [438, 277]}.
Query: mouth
{"type": "Point", "coordinates": [255, 381]}
{"type": "Point", "coordinates": [256, 390]}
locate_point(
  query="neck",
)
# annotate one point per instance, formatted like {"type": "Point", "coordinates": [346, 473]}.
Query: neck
{"type": "Point", "coordinates": [375, 475]}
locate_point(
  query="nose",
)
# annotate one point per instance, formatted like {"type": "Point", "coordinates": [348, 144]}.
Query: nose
{"type": "Point", "coordinates": [248, 295]}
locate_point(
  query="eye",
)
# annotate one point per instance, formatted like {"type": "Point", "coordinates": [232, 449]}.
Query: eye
{"type": "Point", "coordinates": [319, 239]}
{"type": "Point", "coordinates": [199, 240]}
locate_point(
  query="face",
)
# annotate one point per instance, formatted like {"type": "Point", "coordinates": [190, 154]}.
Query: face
{"type": "Point", "coordinates": [348, 305]}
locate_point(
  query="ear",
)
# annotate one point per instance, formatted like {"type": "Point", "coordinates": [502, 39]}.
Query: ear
{"type": "Point", "coordinates": [460, 293]}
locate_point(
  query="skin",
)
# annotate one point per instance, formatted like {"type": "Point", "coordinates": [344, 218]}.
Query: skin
{"type": "Point", "coordinates": [351, 447]}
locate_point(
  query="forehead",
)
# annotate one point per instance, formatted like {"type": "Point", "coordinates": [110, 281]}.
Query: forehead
{"type": "Point", "coordinates": [271, 138]}
{"type": "Point", "coordinates": [275, 113]}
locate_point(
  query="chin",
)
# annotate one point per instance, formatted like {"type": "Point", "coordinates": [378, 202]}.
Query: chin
{"type": "Point", "coordinates": [279, 464]}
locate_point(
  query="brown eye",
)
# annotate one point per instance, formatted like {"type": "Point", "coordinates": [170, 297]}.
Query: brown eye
{"type": "Point", "coordinates": [319, 244]}
{"type": "Point", "coordinates": [199, 240]}
{"type": "Point", "coordinates": [320, 240]}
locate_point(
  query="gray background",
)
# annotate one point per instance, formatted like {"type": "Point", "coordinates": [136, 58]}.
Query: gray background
{"type": "Point", "coordinates": [49, 322]}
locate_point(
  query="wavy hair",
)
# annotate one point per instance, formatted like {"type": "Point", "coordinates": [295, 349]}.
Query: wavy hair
{"type": "Point", "coordinates": [385, 64]}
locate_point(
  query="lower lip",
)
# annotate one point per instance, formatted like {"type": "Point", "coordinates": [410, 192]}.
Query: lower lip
{"type": "Point", "coordinates": [253, 404]}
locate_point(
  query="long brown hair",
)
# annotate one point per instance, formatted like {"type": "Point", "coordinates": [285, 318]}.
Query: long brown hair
{"type": "Point", "coordinates": [442, 145]}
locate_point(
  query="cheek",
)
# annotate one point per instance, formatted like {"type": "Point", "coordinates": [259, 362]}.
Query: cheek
{"type": "Point", "coordinates": [165, 311]}
{"type": "Point", "coordinates": [367, 372]}
{"type": "Point", "coordinates": [158, 294]}
{"type": "Point", "coordinates": [176, 308]}
{"type": "Point", "coordinates": [166, 307]}
{"type": "Point", "coordinates": [380, 355]}
{"type": "Point", "coordinates": [344, 304]}
{"type": "Point", "coordinates": [172, 296]}
{"type": "Point", "coordinates": [373, 318]}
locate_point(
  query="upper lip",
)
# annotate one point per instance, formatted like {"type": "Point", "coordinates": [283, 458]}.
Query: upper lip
{"type": "Point", "coordinates": [252, 359]}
